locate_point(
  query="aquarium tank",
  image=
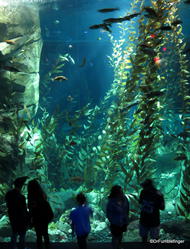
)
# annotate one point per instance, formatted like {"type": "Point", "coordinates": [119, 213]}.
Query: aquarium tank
{"type": "Point", "coordinates": [92, 94]}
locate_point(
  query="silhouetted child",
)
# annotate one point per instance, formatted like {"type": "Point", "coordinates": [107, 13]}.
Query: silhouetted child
{"type": "Point", "coordinates": [152, 201]}
{"type": "Point", "coordinates": [17, 212]}
{"type": "Point", "coordinates": [80, 218]}
{"type": "Point", "coordinates": [40, 212]}
{"type": "Point", "coordinates": [117, 211]}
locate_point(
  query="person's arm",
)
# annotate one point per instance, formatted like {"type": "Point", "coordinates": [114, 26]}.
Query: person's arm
{"type": "Point", "coordinates": [72, 224]}
{"type": "Point", "coordinates": [141, 197]}
{"type": "Point", "coordinates": [127, 210]}
{"type": "Point", "coordinates": [91, 212]}
{"type": "Point", "coordinates": [24, 204]}
{"type": "Point", "coordinates": [7, 199]}
{"type": "Point", "coordinates": [109, 211]}
{"type": "Point", "coordinates": [162, 202]}
{"type": "Point", "coordinates": [128, 205]}
{"type": "Point", "coordinates": [73, 229]}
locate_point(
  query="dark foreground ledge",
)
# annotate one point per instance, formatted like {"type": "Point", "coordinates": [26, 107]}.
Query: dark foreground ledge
{"type": "Point", "coordinates": [130, 245]}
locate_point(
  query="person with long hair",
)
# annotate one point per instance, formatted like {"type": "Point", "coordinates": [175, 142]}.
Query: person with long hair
{"type": "Point", "coordinates": [151, 201]}
{"type": "Point", "coordinates": [117, 212]}
{"type": "Point", "coordinates": [40, 212]}
{"type": "Point", "coordinates": [17, 212]}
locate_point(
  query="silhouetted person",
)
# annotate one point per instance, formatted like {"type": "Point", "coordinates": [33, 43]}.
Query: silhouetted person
{"type": "Point", "coordinates": [117, 211]}
{"type": "Point", "coordinates": [17, 212]}
{"type": "Point", "coordinates": [152, 201]}
{"type": "Point", "coordinates": [80, 218]}
{"type": "Point", "coordinates": [40, 212]}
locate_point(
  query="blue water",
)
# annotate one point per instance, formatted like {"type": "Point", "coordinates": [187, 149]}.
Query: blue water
{"type": "Point", "coordinates": [65, 29]}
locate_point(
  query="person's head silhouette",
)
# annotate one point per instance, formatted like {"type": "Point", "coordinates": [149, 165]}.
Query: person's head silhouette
{"type": "Point", "coordinates": [81, 199]}
{"type": "Point", "coordinates": [147, 184]}
{"type": "Point", "coordinates": [19, 182]}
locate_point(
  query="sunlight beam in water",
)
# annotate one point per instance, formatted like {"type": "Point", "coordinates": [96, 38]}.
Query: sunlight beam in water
{"type": "Point", "coordinates": [7, 2]}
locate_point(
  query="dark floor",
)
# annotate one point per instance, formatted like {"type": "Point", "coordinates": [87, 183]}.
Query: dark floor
{"type": "Point", "coordinates": [160, 245]}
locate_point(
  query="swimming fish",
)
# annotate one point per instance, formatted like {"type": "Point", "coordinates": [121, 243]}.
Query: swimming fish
{"type": "Point", "coordinates": [77, 179]}
{"type": "Point", "coordinates": [60, 78]}
{"type": "Point", "coordinates": [70, 98]}
{"type": "Point", "coordinates": [11, 69]}
{"type": "Point", "coordinates": [101, 26]}
{"type": "Point", "coordinates": [155, 94]}
{"type": "Point", "coordinates": [12, 42]}
{"type": "Point", "coordinates": [151, 13]}
{"type": "Point", "coordinates": [83, 63]}
{"type": "Point", "coordinates": [112, 20]}
{"type": "Point", "coordinates": [152, 36]}
{"type": "Point", "coordinates": [148, 51]}
{"type": "Point", "coordinates": [176, 22]}
{"type": "Point", "coordinates": [107, 10]}
{"type": "Point", "coordinates": [131, 16]}
{"type": "Point", "coordinates": [144, 45]}
{"type": "Point", "coordinates": [166, 28]}
{"type": "Point", "coordinates": [72, 143]}
{"type": "Point", "coordinates": [120, 19]}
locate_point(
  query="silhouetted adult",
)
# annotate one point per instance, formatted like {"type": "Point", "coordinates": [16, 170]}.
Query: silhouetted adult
{"type": "Point", "coordinates": [40, 212]}
{"type": "Point", "coordinates": [152, 201]}
{"type": "Point", "coordinates": [80, 218]}
{"type": "Point", "coordinates": [17, 212]}
{"type": "Point", "coordinates": [117, 211]}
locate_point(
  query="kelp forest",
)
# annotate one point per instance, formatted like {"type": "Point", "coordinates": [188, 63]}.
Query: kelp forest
{"type": "Point", "coordinates": [140, 128]}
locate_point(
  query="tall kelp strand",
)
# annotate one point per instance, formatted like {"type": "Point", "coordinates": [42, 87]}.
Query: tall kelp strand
{"type": "Point", "coordinates": [113, 157]}
{"type": "Point", "coordinates": [180, 87]}
{"type": "Point", "coordinates": [182, 153]}
{"type": "Point", "coordinates": [146, 125]}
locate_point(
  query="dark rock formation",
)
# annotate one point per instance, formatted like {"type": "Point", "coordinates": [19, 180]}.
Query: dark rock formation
{"type": "Point", "coordinates": [20, 50]}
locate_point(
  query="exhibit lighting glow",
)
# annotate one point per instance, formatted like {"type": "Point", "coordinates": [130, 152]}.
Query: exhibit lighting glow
{"type": "Point", "coordinates": [7, 2]}
{"type": "Point", "coordinates": [35, 137]}
{"type": "Point", "coordinates": [4, 3]}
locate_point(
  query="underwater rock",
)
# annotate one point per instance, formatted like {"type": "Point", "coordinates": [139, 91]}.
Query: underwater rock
{"type": "Point", "coordinates": [23, 88]}
{"type": "Point", "coordinates": [63, 200]}
{"type": "Point", "coordinates": [5, 229]}
{"type": "Point", "coordinates": [165, 160]}
{"type": "Point", "coordinates": [5, 146]}
{"type": "Point", "coordinates": [61, 230]}
{"type": "Point", "coordinates": [6, 158]}
{"type": "Point", "coordinates": [133, 225]}
{"type": "Point", "coordinates": [132, 234]}
{"type": "Point", "coordinates": [31, 236]}
{"type": "Point", "coordinates": [177, 226]}
{"type": "Point", "coordinates": [169, 183]}
{"type": "Point", "coordinates": [8, 50]}
{"type": "Point", "coordinates": [99, 226]}
{"type": "Point", "coordinates": [93, 197]}
{"type": "Point", "coordinates": [64, 226]}
{"type": "Point", "coordinates": [20, 51]}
